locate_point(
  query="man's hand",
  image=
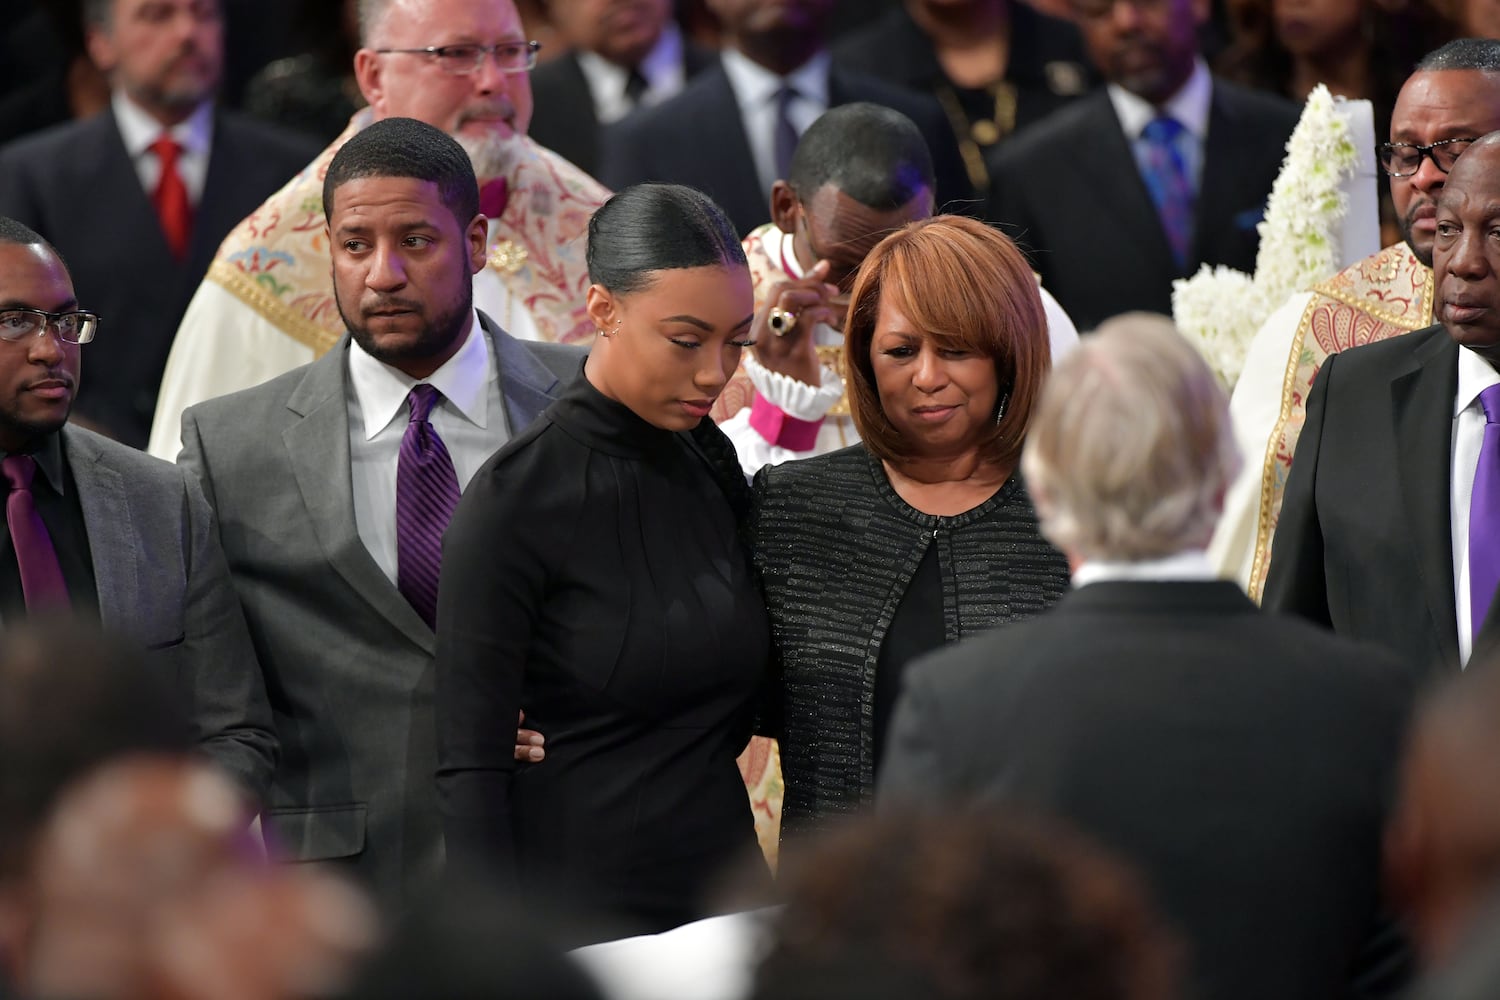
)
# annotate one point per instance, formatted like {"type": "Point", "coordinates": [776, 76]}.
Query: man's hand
{"type": "Point", "coordinates": [528, 742]}
{"type": "Point", "coordinates": [801, 304]}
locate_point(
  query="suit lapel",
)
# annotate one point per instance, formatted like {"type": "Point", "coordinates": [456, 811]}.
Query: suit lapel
{"type": "Point", "coordinates": [119, 186]}
{"type": "Point", "coordinates": [525, 383]}
{"type": "Point", "coordinates": [109, 521]}
{"type": "Point", "coordinates": [1222, 192]}
{"type": "Point", "coordinates": [1422, 405]}
{"type": "Point", "coordinates": [318, 446]}
{"type": "Point", "coordinates": [1107, 159]}
{"type": "Point", "coordinates": [727, 163]}
{"type": "Point", "coordinates": [217, 214]}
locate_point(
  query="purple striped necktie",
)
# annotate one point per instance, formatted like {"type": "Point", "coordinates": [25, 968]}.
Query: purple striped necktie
{"type": "Point", "coordinates": [42, 582]}
{"type": "Point", "coordinates": [426, 493]}
{"type": "Point", "coordinates": [1484, 514]}
{"type": "Point", "coordinates": [1167, 179]}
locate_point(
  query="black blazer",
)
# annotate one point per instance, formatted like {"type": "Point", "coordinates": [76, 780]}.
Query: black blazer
{"type": "Point", "coordinates": [1069, 193]}
{"type": "Point", "coordinates": [1242, 762]}
{"type": "Point", "coordinates": [563, 116]}
{"type": "Point", "coordinates": [698, 138]}
{"type": "Point", "coordinates": [76, 186]}
{"type": "Point", "coordinates": [1365, 543]}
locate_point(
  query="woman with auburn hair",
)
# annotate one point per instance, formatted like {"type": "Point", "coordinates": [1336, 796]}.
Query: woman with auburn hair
{"type": "Point", "coordinates": [923, 534]}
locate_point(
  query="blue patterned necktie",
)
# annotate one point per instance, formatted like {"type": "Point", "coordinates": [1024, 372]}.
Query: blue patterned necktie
{"type": "Point", "coordinates": [426, 493]}
{"type": "Point", "coordinates": [1167, 180]}
{"type": "Point", "coordinates": [1484, 515]}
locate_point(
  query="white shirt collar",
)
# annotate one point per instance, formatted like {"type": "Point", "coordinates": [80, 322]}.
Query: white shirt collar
{"type": "Point", "coordinates": [1192, 564]}
{"type": "Point", "coordinates": [463, 380]}
{"type": "Point", "coordinates": [755, 86]}
{"type": "Point", "coordinates": [787, 254]}
{"type": "Point", "coordinates": [662, 67]}
{"type": "Point", "coordinates": [1474, 376]}
{"type": "Point", "coordinates": [139, 130]}
{"type": "Point", "coordinates": [1190, 105]}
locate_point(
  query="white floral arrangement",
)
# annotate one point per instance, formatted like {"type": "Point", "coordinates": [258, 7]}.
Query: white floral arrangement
{"type": "Point", "coordinates": [1220, 309]}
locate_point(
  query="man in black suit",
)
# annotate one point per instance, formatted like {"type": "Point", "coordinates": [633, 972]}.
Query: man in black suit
{"type": "Point", "coordinates": [732, 130]}
{"type": "Point", "coordinates": [1375, 530]}
{"type": "Point", "coordinates": [1241, 761]}
{"type": "Point", "coordinates": [1144, 181]}
{"type": "Point", "coordinates": [138, 197]}
{"type": "Point", "coordinates": [626, 54]}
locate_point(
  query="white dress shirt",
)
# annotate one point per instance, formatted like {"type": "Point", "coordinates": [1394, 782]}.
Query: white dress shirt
{"type": "Point", "coordinates": [1474, 376]}
{"type": "Point", "coordinates": [662, 69]}
{"type": "Point", "coordinates": [755, 89]}
{"type": "Point", "coordinates": [1191, 564]}
{"type": "Point", "coordinates": [1189, 106]}
{"type": "Point", "coordinates": [194, 134]}
{"type": "Point", "coordinates": [470, 418]}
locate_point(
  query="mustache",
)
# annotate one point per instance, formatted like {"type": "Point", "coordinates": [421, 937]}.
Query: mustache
{"type": "Point", "coordinates": [386, 302]}
{"type": "Point", "coordinates": [500, 107]}
{"type": "Point", "coordinates": [52, 375]}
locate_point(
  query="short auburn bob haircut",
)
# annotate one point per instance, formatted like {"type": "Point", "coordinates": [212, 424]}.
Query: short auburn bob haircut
{"type": "Point", "coordinates": [966, 284]}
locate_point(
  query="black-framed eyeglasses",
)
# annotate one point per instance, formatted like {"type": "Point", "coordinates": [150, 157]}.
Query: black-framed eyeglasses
{"type": "Point", "coordinates": [73, 327]}
{"type": "Point", "coordinates": [461, 60]}
{"type": "Point", "coordinates": [1402, 159]}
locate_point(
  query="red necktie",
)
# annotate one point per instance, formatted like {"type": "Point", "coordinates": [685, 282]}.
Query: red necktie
{"type": "Point", "coordinates": [493, 197]}
{"type": "Point", "coordinates": [41, 575]}
{"type": "Point", "coordinates": [171, 198]}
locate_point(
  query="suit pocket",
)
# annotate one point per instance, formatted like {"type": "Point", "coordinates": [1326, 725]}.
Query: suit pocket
{"type": "Point", "coordinates": [318, 833]}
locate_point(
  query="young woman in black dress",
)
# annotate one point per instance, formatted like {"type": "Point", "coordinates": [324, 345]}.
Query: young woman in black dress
{"type": "Point", "coordinates": [593, 574]}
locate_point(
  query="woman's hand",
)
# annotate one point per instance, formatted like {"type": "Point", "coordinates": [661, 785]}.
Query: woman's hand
{"type": "Point", "coordinates": [783, 326]}
{"type": "Point", "coordinates": [528, 742]}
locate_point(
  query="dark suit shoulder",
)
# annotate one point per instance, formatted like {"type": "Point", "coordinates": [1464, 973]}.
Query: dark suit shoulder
{"type": "Point", "coordinates": [285, 149]}
{"type": "Point", "coordinates": [1384, 358]}
{"type": "Point", "coordinates": [1038, 144]}
{"type": "Point", "coordinates": [34, 149]}
{"type": "Point", "coordinates": [1256, 104]}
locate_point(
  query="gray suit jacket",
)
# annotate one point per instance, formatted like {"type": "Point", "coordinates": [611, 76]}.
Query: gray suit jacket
{"type": "Point", "coordinates": [347, 661]}
{"type": "Point", "coordinates": [163, 581]}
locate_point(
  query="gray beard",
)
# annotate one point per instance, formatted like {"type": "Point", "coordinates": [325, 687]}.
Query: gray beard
{"type": "Point", "coordinates": [492, 155]}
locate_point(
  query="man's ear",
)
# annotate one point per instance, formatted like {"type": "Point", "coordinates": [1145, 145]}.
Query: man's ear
{"type": "Point", "coordinates": [786, 209]}
{"type": "Point", "coordinates": [367, 75]}
{"type": "Point", "coordinates": [101, 48]}
{"type": "Point", "coordinates": [478, 235]}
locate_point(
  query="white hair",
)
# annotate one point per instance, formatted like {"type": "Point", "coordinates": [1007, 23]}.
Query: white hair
{"type": "Point", "coordinates": [1131, 449]}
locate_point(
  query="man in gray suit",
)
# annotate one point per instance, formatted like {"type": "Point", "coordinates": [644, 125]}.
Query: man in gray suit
{"type": "Point", "coordinates": [312, 472]}
{"type": "Point", "coordinates": [109, 533]}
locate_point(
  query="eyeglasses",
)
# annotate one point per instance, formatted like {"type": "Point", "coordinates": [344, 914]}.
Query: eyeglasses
{"type": "Point", "coordinates": [461, 60]}
{"type": "Point", "coordinates": [1402, 159]}
{"type": "Point", "coordinates": [74, 327]}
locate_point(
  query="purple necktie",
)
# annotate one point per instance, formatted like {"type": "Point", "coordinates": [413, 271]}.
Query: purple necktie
{"type": "Point", "coordinates": [41, 576]}
{"type": "Point", "coordinates": [786, 133]}
{"type": "Point", "coordinates": [426, 493]}
{"type": "Point", "coordinates": [1484, 514]}
{"type": "Point", "coordinates": [1167, 180]}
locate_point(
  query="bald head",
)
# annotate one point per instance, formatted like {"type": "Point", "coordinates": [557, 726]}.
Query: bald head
{"type": "Point", "coordinates": [1465, 255]}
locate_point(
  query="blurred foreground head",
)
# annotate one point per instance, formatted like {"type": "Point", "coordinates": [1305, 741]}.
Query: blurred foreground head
{"type": "Point", "coordinates": [953, 907]}
{"type": "Point", "coordinates": [1443, 845]}
{"type": "Point", "coordinates": [145, 884]}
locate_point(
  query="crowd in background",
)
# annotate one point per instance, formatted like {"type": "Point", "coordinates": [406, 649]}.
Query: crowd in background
{"type": "Point", "coordinates": [878, 456]}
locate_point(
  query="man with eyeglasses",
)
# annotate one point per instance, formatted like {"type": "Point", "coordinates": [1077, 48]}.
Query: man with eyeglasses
{"type": "Point", "coordinates": [1390, 526]}
{"type": "Point", "coordinates": [138, 196]}
{"type": "Point", "coordinates": [100, 531]}
{"type": "Point", "coordinates": [1145, 181]}
{"type": "Point", "coordinates": [1452, 98]}
{"type": "Point", "coordinates": [267, 306]}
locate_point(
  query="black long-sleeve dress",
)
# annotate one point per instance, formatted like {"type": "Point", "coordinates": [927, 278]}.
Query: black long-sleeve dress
{"type": "Point", "coordinates": [592, 574]}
